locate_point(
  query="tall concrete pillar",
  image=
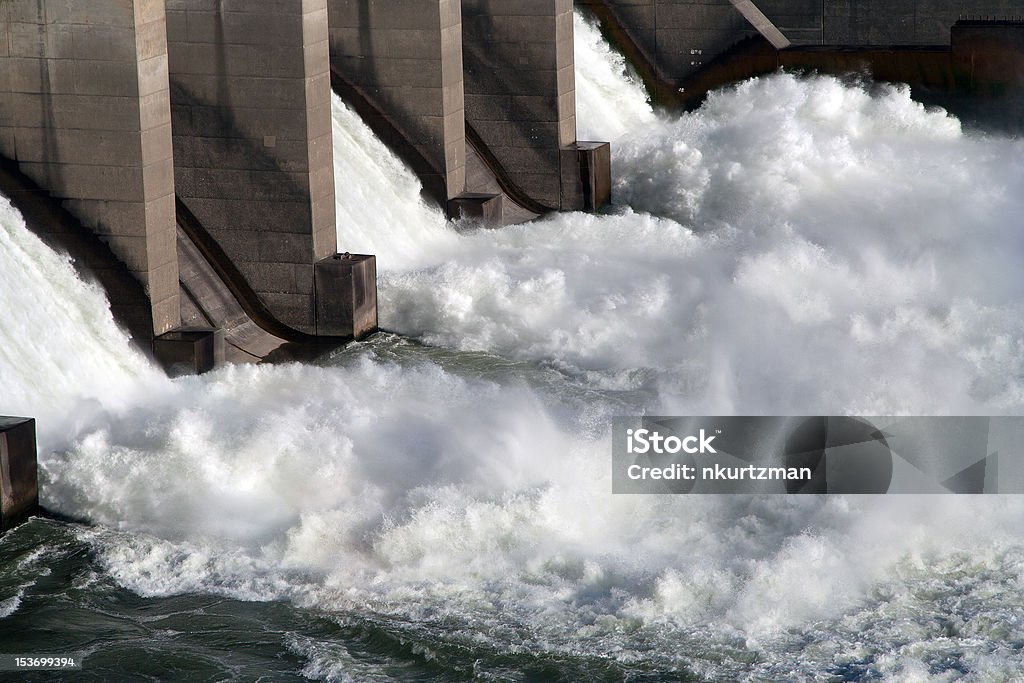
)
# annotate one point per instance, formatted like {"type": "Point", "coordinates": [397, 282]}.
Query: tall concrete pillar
{"type": "Point", "coordinates": [84, 111]}
{"type": "Point", "coordinates": [406, 56]}
{"type": "Point", "coordinates": [521, 89]}
{"type": "Point", "coordinates": [251, 107]}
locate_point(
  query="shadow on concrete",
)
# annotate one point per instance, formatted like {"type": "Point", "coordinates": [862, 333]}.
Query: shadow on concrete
{"type": "Point", "coordinates": [92, 258]}
{"type": "Point", "coordinates": [486, 73]}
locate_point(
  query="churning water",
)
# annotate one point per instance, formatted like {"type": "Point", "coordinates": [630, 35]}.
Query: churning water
{"type": "Point", "coordinates": [434, 504]}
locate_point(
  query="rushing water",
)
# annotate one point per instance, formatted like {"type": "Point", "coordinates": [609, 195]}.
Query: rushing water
{"type": "Point", "coordinates": [434, 504]}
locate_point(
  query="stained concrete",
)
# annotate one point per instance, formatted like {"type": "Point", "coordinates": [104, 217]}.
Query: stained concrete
{"type": "Point", "coordinates": [84, 111]}
{"type": "Point", "coordinates": [346, 295]}
{"type": "Point", "coordinates": [407, 58]}
{"type": "Point", "coordinates": [586, 175]}
{"type": "Point", "coordinates": [520, 88]}
{"type": "Point", "coordinates": [251, 113]}
{"type": "Point", "coordinates": [189, 351]}
{"type": "Point", "coordinates": [989, 56]}
{"type": "Point", "coordinates": [19, 487]}
{"type": "Point", "coordinates": [485, 207]}
{"type": "Point", "coordinates": [679, 38]}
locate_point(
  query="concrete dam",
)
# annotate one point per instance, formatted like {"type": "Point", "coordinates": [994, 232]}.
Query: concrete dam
{"type": "Point", "coordinates": [432, 502]}
{"type": "Point", "coordinates": [180, 150]}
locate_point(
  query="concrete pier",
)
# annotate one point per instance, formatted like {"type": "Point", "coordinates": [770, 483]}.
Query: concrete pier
{"type": "Point", "coordinates": [521, 93]}
{"type": "Point", "coordinates": [84, 111]}
{"type": "Point", "coordinates": [189, 351]}
{"type": "Point", "coordinates": [251, 113]}
{"type": "Point", "coordinates": [192, 139]}
{"type": "Point", "coordinates": [407, 58]}
{"type": "Point", "coordinates": [346, 295]}
{"type": "Point", "coordinates": [19, 487]}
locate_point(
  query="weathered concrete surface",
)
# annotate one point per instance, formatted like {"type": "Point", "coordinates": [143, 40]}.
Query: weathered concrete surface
{"type": "Point", "coordinates": [84, 112]}
{"type": "Point", "coordinates": [587, 175]}
{"type": "Point", "coordinates": [92, 258]}
{"type": "Point", "coordinates": [672, 41]}
{"type": "Point", "coordinates": [207, 302]}
{"type": "Point", "coordinates": [679, 38]}
{"type": "Point", "coordinates": [406, 56]}
{"type": "Point", "coordinates": [189, 351]}
{"type": "Point", "coordinates": [485, 207]}
{"type": "Point", "coordinates": [346, 295]}
{"type": "Point", "coordinates": [19, 488]}
{"type": "Point", "coordinates": [756, 18]}
{"type": "Point", "coordinates": [988, 58]}
{"type": "Point", "coordinates": [251, 111]}
{"type": "Point", "coordinates": [520, 88]}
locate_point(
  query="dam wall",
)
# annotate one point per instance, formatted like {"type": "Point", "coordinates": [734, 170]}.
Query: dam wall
{"type": "Point", "coordinates": [485, 92]}
{"type": "Point", "coordinates": [407, 57]}
{"type": "Point", "coordinates": [521, 99]}
{"type": "Point", "coordinates": [964, 56]}
{"type": "Point", "coordinates": [85, 114]}
{"type": "Point", "coordinates": [251, 115]}
{"type": "Point", "coordinates": [194, 137]}
{"type": "Point", "coordinates": [521, 88]}
{"type": "Point", "coordinates": [672, 42]}
{"type": "Point", "coordinates": [19, 471]}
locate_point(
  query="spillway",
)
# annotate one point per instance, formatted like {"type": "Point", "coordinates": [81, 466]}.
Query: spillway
{"type": "Point", "coordinates": [434, 503]}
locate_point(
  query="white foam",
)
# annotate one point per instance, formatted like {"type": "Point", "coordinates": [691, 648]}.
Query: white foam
{"type": "Point", "coordinates": [797, 245]}
{"type": "Point", "coordinates": [610, 99]}
{"type": "Point", "coordinates": [62, 358]}
{"type": "Point", "coordinates": [10, 605]}
{"type": "Point", "coordinates": [379, 207]}
{"type": "Point", "coordinates": [792, 231]}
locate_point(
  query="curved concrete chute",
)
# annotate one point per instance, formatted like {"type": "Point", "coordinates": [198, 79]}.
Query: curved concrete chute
{"type": "Point", "coordinates": [215, 289]}
{"type": "Point", "coordinates": [508, 186]}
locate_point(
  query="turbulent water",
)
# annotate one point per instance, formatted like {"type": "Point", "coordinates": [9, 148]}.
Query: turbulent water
{"type": "Point", "coordinates": [434, 504]}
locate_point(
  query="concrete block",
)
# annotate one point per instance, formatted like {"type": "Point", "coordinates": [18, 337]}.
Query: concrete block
{"type": "Point", "coordinates": [189, 351]}
{"type": "Point", "coordinates": [88, 182]}
{"type": "Point", "coordinates": [19, 485]}
{"type": "Point", "coordinates": [476, 206]}
{"type": "Point", "coordinates": [412, 101]}
{"type": "Point", "coordinates": [586, 176]}
{"type": "Point", "coordinates": [32, 40]}
{"type": "Point", "coordinates": [407, 14]}
{"type": "Point", "coordinates": [315, 26]}
{"type": "Point", "coordinates": [77, 146]}
{"type": "Point", "coordinates": [283, 278]}
{"type": "Point", "coordinates": [346, 295]}
{"type": "Point", "coordinates": [26, 74]}
{"type": "Point", "coordinates": [154, 109]}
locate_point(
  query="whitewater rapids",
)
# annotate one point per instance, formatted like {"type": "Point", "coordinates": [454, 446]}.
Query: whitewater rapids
{"type": "Point", "coordinates": [799, 245]}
